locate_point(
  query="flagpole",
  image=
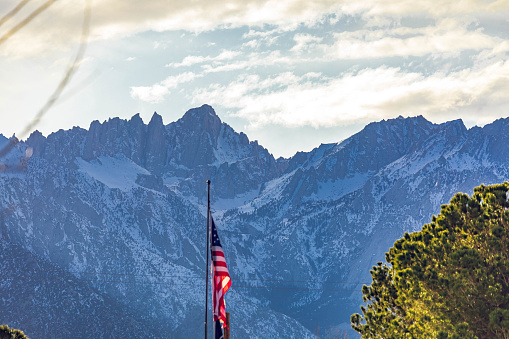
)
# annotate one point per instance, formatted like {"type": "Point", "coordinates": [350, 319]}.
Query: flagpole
{"type": "Point", "coordinates": [207, 261]}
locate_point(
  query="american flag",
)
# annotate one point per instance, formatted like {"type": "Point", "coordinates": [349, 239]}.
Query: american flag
{"type": "Point", "coordinates": [220, 277]}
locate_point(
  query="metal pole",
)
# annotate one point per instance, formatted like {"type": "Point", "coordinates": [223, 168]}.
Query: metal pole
{"type": "Point", "coordinates": [207, 261]}
{"type": "Point", "coordinates": [227, 328]}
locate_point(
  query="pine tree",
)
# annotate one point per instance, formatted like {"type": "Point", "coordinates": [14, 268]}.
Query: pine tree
{"type": "Point", "coordinates": [449, 280]}
{"type": "Point", "coordinates": [11, 333]}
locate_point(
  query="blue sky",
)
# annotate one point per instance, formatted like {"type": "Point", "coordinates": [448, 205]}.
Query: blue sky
{"type": "Point", "coordinates": [289, 73]}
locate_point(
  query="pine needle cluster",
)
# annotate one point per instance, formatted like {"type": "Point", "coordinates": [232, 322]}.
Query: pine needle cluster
{"type": "Point", "coordinates": [449, 280]}
{"type": "Point", "coordinates": [11, 333]}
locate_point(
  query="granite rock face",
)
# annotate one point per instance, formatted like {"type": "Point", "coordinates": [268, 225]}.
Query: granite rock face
{"type": "Point", "coordinates": [106, 226]}
{"type": "Point", "coordinates": [202, 146]}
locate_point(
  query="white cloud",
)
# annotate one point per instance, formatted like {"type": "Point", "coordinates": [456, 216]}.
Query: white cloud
{"type": "Point", "coordinates": [253, 33]}
{"type": "Point", "coordinates": [189, 61]}
{"type": "Point", "coordinates": [174, 81]}
{"type": "Point", "coordinates": [157, 92]}
{"type": "Point", "coordinates": [192, 60]}
{"type": "Point", "coordinates": [152, 94]}
{"type": "Point", "coordinates": [255, 43]}
{"type": "Point", "coordinates": [251, 61]}
{"type": "Point", "coordinates": [224, 61]}
{"type": "Point", "coordinates": [221, 63]}
{"type": "Point", "coordinates": [448, 37]}
{"type": "Point", "coordinates": [305, 42]}
{"type": "Point", "coordinates": [432, 8]}
{"type": "Point", "coordinates": [445, 39]}
{"type": "Point", "coordinates": [262, 37]}
{"type": "Point", "coordinates": [120, 18]}
{"type": "Point", "coordinates": [370, 94]}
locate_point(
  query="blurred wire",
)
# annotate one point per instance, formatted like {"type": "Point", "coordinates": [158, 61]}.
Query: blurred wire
{"type": "Point", "coordinates": [23, 23]}
{"type": "Point", "coordinates": [13, 12]}
{"type": "Point", "coordinates": [173, 283]}
{"type": "Point", "coordinates": [178, 276]}
{"type": "Point", "coordinates": [71, 69]}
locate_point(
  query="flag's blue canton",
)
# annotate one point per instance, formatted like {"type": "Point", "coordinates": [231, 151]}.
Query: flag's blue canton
{"type": "Point", "coordinates": [215, 237]}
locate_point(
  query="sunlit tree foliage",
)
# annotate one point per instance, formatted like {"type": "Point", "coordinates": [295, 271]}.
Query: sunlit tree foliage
{"type": "Point", "coordinates": [450, 280]}
{"type": "Point", "coordinates": [11, 333]}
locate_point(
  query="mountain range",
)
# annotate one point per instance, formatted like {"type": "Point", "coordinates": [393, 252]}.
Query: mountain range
{"type": "Point", "coordinates": [103, 230]}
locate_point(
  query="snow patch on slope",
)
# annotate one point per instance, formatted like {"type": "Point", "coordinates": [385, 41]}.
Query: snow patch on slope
{"type": "Point", "coordinates": [335, 189]}
{"type": "Point", "coordinates": [118, 173]}
{"type": "Point", "coordinates": [228, 148]}
{"type": "Point", "coordinates": [272, 191]}
{"type": "Point", "coordinates": [239, 200]}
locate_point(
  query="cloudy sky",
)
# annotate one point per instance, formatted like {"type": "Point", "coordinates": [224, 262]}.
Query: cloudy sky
{"type": "Point", "coordinates": [289, 73]}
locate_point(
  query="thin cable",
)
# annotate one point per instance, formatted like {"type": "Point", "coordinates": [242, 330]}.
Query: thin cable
{"type": "Point", "coordinates": [103, 273]}
{"type": "Point", "coordinates": [23, 23]}
{"type": "Point", "coordinates": [186, 277]}
{"type": "Point", "coordinates": [296, 288]}
{"type": "Point", "coordinates": [100, 281]}
{"type": "Point", "coordinates": [303, 281]}
{"type": "Point", "coordinates": [71, 70]}
{"type": "Point", "coordinates": [172, 284]}
{"type": "Point", "coordinates": [13, 12]}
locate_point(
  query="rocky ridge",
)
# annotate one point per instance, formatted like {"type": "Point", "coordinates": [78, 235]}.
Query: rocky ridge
{"type": "Point", "coordinates": [120, 209]}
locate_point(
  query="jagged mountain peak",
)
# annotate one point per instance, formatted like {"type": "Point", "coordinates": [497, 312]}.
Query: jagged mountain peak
{"type": "Point", "coordinates": [196, 145]}
{"type": "Point", "coordinates": [136, 119]}
{"type": "Point", "coordinates": [213, 141]}
{"type": "Point", "coordinates": [493, 137]}
{"type": "Point", "coordinates": [203, 117]}
{"type": "Point", "coordinates": [454, 128]}
{"type": "Point", "coordinates": [399, 122]}
{"type": "Point", "coordinates": [352, 162]}
{"type": "Point", "coordinates": [36, 140]}
{"type": "Point", "coordinates": [156, 119]}
{"type": "Point", "coordinates": [200, 144]}
{"type": "Point", "coordinates": [34, 134]}
{"type": "Point", "coordinates": [499, 126]}
{"type": "Point", "coordinates": [202, 128]}
{"type": "Point", "coordinates": [378, 142]}
{"type": "Point", "coordinates": [120, 198]}
{"type": "Point", "coordinates": [204, 109]}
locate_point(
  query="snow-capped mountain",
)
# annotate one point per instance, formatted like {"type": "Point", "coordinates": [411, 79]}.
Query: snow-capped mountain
{"type": "Point", "coordinates": [106, 226]}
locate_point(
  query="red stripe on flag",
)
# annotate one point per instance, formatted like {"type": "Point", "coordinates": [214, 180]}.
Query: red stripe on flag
{"type": "Point", "coordinates": [221, 281]}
